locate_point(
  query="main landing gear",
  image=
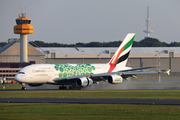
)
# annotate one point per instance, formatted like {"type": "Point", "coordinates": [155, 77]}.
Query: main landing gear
{"type": "Point", "coordinates": [62, 87]}
{"type": "Point", "coordinates": [69, 87]}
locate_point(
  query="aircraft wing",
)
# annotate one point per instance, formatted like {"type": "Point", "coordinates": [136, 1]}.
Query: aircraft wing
{"type": "Point", "coordinates": [96, 77]}
{"type": "Point", "coordinates": [105, 74]}
{"type": "Point", "coordinates": [122, 73]}
{"type": "Point", "coordinates": [134, 69]}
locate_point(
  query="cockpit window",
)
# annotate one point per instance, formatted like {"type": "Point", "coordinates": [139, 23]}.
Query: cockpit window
{"type": "Point", "coordinates": [21, 73]}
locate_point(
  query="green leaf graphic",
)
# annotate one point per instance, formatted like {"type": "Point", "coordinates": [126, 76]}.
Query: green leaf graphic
{"type": "Point", "coordinates": [64, 74]}
{"type": "Point", "coordinates": [93, 67]}
{"type": "Point", "coordinates": [60, 74]}
{"type": "Point", "coordinates": [69, 70]}
{"type": "Point", "coordinates": [89, 69]}
{"type": "Point", "coordinates": [56, 67]}
{"type": "Point", "coordinates": [61, 69]}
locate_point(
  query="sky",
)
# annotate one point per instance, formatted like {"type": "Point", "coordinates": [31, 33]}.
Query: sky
{"type": "Point", "coordinates": [73, 21]}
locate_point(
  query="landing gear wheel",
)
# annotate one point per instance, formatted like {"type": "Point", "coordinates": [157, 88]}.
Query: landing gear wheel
{"type": "Point", "coordinates": [23, 88]}
{"type": "Point", "coordinates": [70, 87]}
{"type": "Point", "coordinates": [62, 87]}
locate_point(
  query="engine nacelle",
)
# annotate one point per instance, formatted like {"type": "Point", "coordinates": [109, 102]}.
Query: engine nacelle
{"type": "Point", "coordinates": [83, 82]}
{"type": "Point", "coordinates": [34, 85]}
{"type": "Point", "coordinates": [115, 79]}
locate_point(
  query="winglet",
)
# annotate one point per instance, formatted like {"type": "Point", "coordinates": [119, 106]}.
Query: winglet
{"type": "Point", "coordinates": [168, 71]}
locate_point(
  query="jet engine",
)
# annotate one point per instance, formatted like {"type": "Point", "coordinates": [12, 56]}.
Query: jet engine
{"type": "Point", "coordinates": [83, 82]}
{"type": "Point", "coordinates": [115, 79]}
{"type": "Point", "coordinates": [34, 85]}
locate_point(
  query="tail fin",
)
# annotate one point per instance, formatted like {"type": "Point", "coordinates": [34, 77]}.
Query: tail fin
{"type": "Point", "coordinates": [121, 55]}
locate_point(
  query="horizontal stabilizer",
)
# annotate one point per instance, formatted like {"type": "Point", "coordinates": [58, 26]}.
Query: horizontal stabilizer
{"type": "Point", "coordinates": [136, 69]}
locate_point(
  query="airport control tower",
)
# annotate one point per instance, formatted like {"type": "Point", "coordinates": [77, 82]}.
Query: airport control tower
{"type": "Point", "coordinates": [148, 31]}
{"type": "Point", "coordinates": [23, 28]}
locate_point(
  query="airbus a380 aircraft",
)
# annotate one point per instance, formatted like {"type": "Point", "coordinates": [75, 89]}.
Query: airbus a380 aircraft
{"type": "Point", "coordinates": [81, 74]}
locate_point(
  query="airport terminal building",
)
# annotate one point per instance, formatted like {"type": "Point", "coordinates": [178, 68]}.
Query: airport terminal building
{"type": "Point", "coordinates": [169, 57]}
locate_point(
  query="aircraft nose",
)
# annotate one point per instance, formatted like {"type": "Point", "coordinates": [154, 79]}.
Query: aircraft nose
{"type": "Point", "coordinates": [17, 78]}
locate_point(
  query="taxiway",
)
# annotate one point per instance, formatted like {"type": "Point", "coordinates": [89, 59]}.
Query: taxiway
{"type": "Point", "coordinates": [92, 101]}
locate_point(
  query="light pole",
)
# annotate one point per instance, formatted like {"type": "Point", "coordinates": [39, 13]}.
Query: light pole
{"type": "Point", "coordinates": [158, 62]}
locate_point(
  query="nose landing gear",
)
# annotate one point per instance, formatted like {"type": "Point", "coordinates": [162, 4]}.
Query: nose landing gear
{"type": "Point", "coordinates": [23, 86]}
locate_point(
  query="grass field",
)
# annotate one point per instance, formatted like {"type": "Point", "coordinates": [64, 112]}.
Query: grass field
{"type": "Point", "coordinates": [11, 86]}
{"type": "Point", "coordinates": [151, 94]}
{"type": "Point", "coordinates": [56, 111]}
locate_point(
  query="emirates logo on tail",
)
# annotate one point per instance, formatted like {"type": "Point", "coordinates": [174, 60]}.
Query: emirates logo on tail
{"type": "Point", "coordinates": [122, 53]}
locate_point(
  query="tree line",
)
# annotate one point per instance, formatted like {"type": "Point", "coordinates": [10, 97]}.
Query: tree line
{"type": "Point", "coordinates": [146, 42]}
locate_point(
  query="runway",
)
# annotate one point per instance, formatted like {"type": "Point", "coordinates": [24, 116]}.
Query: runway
{"type": "Point", "coordinates": [92, 101]}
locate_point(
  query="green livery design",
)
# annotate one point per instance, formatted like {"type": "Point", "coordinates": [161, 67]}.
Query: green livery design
{"type": "Point", "coordinates": [66, 70]}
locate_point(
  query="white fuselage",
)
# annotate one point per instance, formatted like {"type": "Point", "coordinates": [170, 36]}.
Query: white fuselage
{"type": "Point", "coordinates": [45, 73]}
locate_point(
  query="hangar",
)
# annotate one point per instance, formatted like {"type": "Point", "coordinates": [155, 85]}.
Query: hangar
{"type": "Point", "coordinates": [169, 57]}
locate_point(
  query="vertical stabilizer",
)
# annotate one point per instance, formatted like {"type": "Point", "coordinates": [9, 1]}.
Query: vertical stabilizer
{"type": "Point", "coordinates": [121, 55]}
